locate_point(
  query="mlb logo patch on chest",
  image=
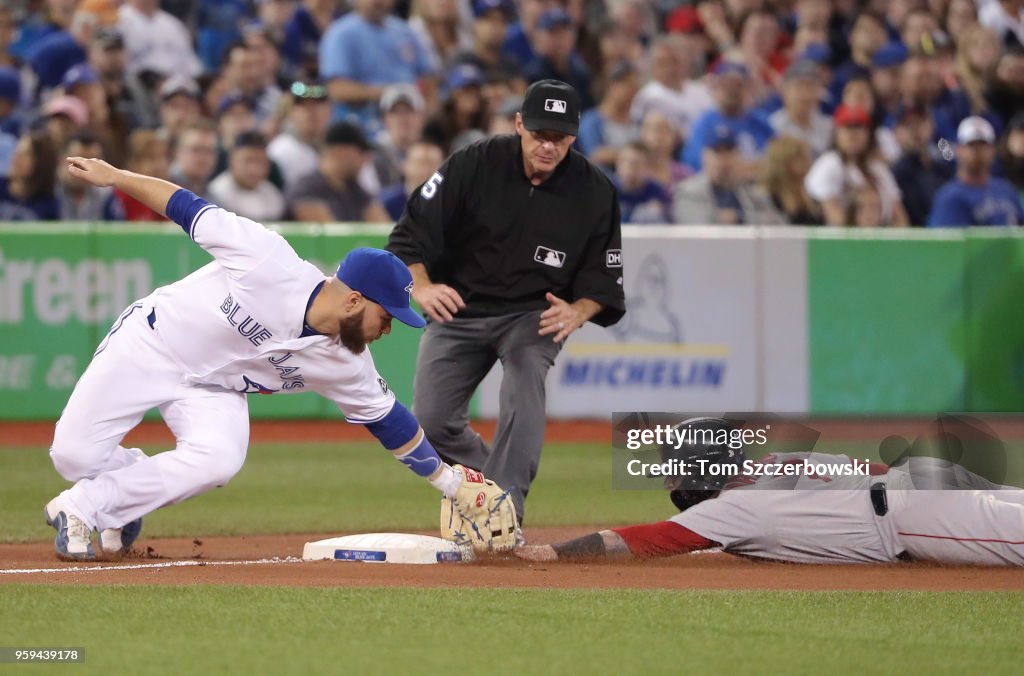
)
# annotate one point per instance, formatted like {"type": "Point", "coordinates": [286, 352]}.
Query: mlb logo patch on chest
{"type": "Point", "coordinates": [550, 257]}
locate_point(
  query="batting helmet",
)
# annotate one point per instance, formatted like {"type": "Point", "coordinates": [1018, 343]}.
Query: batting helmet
{"type": "Point", "coordinates": [712, 440]}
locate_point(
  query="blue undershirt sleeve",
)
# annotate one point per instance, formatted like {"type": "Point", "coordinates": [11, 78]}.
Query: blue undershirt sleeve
{"type": "Point", "coordinates": [183, 207]}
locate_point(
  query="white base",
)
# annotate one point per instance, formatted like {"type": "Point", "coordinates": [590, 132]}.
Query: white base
{"type": "Point", "coordinates": [387, 548]}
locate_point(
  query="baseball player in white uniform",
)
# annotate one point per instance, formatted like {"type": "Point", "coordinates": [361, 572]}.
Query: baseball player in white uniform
{"type": "Point", "coordinates": [774, 512]}
{"type": "Point", "coordinates": [257, 319]}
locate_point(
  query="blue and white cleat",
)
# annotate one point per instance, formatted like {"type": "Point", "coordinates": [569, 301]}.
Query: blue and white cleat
{"type": "Point", "coordinates": [74, 537]}
{"type": "Point", "coordinates": [119, 541]}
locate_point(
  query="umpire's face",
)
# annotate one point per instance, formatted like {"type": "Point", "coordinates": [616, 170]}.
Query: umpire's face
{"type": "Point", "coordinates": [542, 150]}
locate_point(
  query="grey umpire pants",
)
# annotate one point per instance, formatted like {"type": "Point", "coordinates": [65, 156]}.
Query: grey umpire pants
{"type": "Point", "coordinates": [453, 358]}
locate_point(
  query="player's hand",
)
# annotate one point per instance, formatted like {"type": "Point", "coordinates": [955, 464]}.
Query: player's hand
{"type": "Point", "coordinates": [96, 172]}
{"type": "Point", "coordinates": [536, 553]}
{"type": "Point", "coordinates": [561, 319]}
{"type": "Point", "coordinates": [440, 301]}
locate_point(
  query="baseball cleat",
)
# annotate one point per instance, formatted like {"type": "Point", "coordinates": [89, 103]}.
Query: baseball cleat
{"type": "Point", "coordinates": [73, 541]}
{"type": "Point", "coordinates": [118, 541]}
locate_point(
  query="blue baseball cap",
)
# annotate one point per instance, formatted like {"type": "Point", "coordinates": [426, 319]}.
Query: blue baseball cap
{"type": "Point", "coordinates": [464, 75]}
{"type": "Point", "coordinates": [381, 277]}
{"type": "Point", "coordinates": [816, 52]}
{"type": "Point", "coordinates": [554, 18]}
{"type": "Point", "coordinates": [892, 54]}
{"type": "Point", "coordinates": [481, 7]}
{"type": "Point", "coordinates": [727, 67]}
{"type": "Point", "coordinates": [80, 74]}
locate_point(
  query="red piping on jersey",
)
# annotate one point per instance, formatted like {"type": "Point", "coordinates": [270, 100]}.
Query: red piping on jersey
{"type": "Point", "coordinates": [664, 538]}
{"type": "Point", "coordinates": [950, 537]}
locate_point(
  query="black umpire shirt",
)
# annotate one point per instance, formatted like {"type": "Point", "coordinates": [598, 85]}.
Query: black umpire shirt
{"type": "Point", "coordinates": [480, 226]}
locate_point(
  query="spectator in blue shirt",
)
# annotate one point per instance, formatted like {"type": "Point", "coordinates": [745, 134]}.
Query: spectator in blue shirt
{"type": "Point", "coordinates": [367, 50]}
{"type": "Point", "coordinates": [730, 83]}
{"type": "Point", "coordinates": [975, 197]}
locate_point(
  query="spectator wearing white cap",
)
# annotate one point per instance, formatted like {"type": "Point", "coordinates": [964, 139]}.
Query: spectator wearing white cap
{"type": "Point", "coordinates": [800, 115]}
{"type": "Point", "coordinates": [403, 112]}
{"type": "Point", "coordinates": [179, 104]}
{"type": "Point", "coordinates": [975, 197]}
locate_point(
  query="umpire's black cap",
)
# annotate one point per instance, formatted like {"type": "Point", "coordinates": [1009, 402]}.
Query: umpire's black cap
{"type": "Point", "coordinates": [552, 105]}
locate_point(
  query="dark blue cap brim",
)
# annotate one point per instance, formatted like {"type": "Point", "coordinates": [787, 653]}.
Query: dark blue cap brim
{"type": "Point", "coordinates": [407, 316]}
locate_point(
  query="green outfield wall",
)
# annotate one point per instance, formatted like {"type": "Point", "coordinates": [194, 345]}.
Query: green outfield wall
{"type": "Point", "coordinates": [780, 319]}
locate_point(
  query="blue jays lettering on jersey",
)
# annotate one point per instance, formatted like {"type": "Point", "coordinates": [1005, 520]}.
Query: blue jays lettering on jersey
{"type": "Point", "coordinates": [246, 325]}
{"type": "Point", "coordinates": [247, 309]}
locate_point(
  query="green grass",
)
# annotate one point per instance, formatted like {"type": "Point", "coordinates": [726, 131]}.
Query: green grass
{"type": "Point", "coordinates": [304, 488]}
{"type": "Point", "coordinates": [279, 630]}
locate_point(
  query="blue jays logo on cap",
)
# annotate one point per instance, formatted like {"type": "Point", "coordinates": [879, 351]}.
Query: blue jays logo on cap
{"type": "Point", "coordinates": [381, 277]}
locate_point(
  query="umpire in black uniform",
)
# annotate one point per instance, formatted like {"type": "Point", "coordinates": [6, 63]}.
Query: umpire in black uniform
{"type": "Point", "coordinates": [513, 244]}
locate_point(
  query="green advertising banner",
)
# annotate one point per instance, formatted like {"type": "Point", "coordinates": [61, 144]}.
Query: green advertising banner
{"type": "Point", "coordinates": [62, 287]}
{"type": "Point", "coordinates": [994, 360]}
{"type": "Point", "coordinates": [895, 322]}
{"type": "Point", "coordinates": [919, 323]}
{"type": "Point", "coordinates": [887, 325]}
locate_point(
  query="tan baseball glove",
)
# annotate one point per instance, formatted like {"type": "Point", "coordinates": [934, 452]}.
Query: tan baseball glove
{"type": "Point", "coordinates": [481, 514]}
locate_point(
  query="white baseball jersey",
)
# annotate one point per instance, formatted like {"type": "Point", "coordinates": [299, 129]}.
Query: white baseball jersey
{"type": "Point", "coordinates": [192, 349]}
{"type": "Point", "coordinates": [815, 520]}
{"type": "Point", "coordinates": [246, 309]}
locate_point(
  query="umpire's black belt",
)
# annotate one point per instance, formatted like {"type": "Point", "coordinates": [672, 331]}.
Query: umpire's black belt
{"type": "Point", "coordinates": [878, 499]}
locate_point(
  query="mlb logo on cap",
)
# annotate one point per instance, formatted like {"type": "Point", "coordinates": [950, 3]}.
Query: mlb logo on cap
{"type": "Point", "coordinates": [551, 105]}
{"type": "Point", "coordinates": [554, 106]}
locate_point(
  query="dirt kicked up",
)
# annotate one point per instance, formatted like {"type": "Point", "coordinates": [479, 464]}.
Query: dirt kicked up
{"type": "Point", "coordinates": [274, 560]}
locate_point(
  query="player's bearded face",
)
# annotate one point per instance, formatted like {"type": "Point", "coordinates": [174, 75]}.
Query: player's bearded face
{"type": "Point", "coordinates": [350, 332]}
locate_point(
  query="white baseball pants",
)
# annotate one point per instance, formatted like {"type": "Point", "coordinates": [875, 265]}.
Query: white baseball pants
{"type": "Point", "coordinates": [958, 526]}
{"type": "Point", "coordinates": [132, 372]}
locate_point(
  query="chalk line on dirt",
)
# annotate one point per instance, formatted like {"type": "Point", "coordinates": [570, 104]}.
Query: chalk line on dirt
{"type": "Point", "coordinates": [147, 566]}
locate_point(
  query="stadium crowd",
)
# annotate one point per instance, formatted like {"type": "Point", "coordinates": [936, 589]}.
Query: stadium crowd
{"type": "Point", "coordinates": [840, 112]}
